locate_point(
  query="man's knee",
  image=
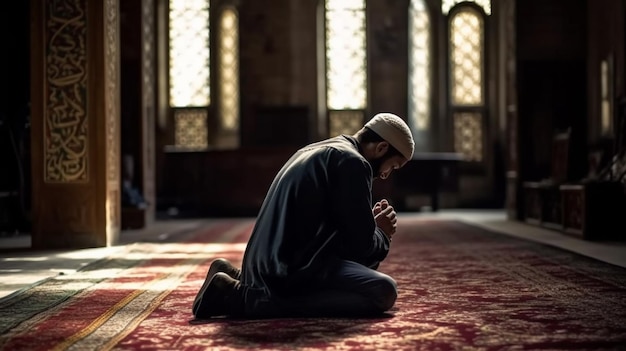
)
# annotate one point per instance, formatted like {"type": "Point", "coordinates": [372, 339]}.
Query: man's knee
{"type": "Point", "coordinates": [385, 293]}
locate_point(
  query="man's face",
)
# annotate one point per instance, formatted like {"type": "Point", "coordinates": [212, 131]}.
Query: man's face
{"type": "Point", "coordinates": [384, 165]}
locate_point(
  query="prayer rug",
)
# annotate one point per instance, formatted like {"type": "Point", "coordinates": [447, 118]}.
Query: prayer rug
{"type": "Point", "coordinates": [461, 287]}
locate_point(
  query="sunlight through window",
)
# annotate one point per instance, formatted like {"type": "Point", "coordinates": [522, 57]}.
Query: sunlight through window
{"type": "Point", "coordinates": [466, 81]}
{"type": "Point", "coordinates": [189, 53]}
{"type": "Point", "coordinates": [229, 70]}
{"type": "Point", "coordinates": [466, 61]}
{"type": "Point", "coordinates": [345, 54]}
{"type": "Point", "coordinates": [419, 66]}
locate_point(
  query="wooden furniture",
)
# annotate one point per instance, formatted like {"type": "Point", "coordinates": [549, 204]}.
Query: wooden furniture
{"type": "Point", "coordinates": [594, 210]}
{"type": "Point", "coordinates": [428, 173]}
{"type": "Point", "coordinates": [542, 202]}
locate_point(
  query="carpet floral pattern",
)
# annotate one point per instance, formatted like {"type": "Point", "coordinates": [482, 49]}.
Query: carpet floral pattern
{"type": "Point", "coordinates": [460, 288]}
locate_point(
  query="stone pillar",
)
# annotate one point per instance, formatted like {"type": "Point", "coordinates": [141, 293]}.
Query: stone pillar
{"type": "Point", "coordinates": [513, 200]}
{"type": "Point", "coordinates": [75, 123]}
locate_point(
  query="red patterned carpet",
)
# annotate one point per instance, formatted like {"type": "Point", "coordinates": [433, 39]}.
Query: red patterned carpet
{"type": "Point", "coordinates": [461, 288]}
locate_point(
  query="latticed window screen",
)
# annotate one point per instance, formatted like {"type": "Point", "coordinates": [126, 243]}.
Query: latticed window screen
{"type": "Point", "coordinates": [446, 5]}
{"type": "Point", "coordinates": [466, 85]}
{"type": "Point", "coordinates": [189, 53]}
{"type": "Point", "coordinates": [346, 65]}
{"type": "Point", "coordinates": [190, 128]}
{"type": "Point", "coordinates": [468, 135]}
{"type": "Point", "coordinates": [466, 58]}
{"type": "Point", "coordinates": [345, 122]}
{"type": "Point", "coordinates": [345, 54]}
{"type": "Point", "coordinates": [229, 70]}
{"type": "Point", "coordinates": [419, 66]}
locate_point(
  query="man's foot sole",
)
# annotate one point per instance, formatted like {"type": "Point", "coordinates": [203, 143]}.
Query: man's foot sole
{"type": "Point", "coordinates": [215, 297]}
{"type": "Point", "coordinates": [218, 265]}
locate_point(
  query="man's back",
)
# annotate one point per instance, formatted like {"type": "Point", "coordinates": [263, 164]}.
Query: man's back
{"type": "Point", "coordinates": [296, 223]}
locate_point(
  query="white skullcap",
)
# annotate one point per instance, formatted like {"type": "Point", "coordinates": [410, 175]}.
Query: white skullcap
{"type": "Point", "coordinates": [395, 131]}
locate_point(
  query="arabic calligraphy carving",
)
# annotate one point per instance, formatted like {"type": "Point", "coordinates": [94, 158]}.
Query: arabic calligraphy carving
{"type": "Point", "coordinates": [112, 110]}
{"type": "Point", "coordinates": [112, 91]}
{"type": "Point", "coordinates": [66, 125]}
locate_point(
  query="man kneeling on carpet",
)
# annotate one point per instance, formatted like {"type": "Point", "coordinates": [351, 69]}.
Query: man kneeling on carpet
{"type": "Point", "coordinates": [317, 240]}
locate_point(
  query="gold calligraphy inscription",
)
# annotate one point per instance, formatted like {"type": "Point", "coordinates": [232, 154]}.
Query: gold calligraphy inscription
{"type": "Point", "coordinates": [112, 90]}
{"type": "Point", "coordinates": [65, 123]}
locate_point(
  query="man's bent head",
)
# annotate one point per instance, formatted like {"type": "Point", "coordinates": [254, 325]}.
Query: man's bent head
{"type": "Point", "coordinates": [395, 131]}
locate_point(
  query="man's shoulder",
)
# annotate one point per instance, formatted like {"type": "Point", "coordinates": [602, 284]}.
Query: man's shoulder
{"type": "Point", "coordinates": [342, 144]}
{"type": "Point", "coordinates": [338, 153]}
{"type": "Point", "coordinates": [342, 151]}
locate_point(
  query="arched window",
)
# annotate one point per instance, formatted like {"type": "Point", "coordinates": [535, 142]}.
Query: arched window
{"type": "Point", "coordinates": [346, 65]}
{"type": "Point", "coordinates": [465, 63]}
{"type": "Point", "coordinates": [446, 5]}
{"type": "Point", "coordinates": [466, 72]}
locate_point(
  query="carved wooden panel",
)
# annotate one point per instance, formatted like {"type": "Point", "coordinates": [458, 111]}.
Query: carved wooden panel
{"type": "Point", "coordinates": [75, 107]}
{"type": "Point", "coordinates": [112, 96]}
{"type": "Point", "coordinates": [66, 126]}
{"type": "Point", "coordinates": [112, 116]}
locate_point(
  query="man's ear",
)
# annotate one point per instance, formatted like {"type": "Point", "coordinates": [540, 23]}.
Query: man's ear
{"type": "Point", "coordinates": [381, 148]}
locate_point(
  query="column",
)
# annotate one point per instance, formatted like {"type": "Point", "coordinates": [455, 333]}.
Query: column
{"type": "Point", "coordinates": [75, 110]}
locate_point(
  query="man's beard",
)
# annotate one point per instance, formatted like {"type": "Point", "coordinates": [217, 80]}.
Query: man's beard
{"type": "Point", "coordinates": [376, 164]}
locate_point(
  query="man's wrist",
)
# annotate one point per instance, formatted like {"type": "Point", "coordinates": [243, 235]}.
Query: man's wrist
{"type": "Point", "coordinates": [384, 233]}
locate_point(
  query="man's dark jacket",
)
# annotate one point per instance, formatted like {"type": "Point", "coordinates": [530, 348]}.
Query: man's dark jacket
{"type": "Point", "coordinates": [317, 209]}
